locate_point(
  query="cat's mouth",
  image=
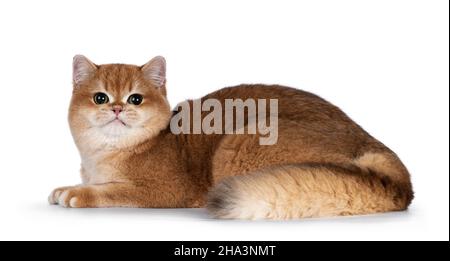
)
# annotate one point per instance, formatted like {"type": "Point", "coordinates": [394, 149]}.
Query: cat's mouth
{"type": "Point", "coordinates": [116, 121]}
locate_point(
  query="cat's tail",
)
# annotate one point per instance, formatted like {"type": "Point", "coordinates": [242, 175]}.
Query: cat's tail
{"type": "Point", "coordinates": [375, 182]}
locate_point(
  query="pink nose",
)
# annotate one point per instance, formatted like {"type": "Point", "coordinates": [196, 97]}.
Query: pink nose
{"type": "Point", "coordinates": [117, 110]}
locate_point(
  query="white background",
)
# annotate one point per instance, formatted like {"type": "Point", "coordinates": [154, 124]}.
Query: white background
{"type": "Point", "coordinates": [385, 63]}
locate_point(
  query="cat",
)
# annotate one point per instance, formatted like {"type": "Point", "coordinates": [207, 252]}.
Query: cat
{"type": "Point", "coordinates": [323, 164]}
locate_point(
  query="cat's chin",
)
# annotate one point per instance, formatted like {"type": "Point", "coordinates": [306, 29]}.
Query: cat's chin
{"type": "Point", "coordinates": [111, 136]}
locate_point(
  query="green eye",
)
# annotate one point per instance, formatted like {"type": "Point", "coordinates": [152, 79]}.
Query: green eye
{"type": "Point", "coordinates": [135, 99]}
{"type": "Point", "coordinates": [101, 98]}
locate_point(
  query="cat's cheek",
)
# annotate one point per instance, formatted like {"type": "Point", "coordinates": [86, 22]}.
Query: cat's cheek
{"type": "Point", "coordinates": [139, 117]}
{"type": "Point", "coordinates": [154, 119]}
{"type": "Point", "coordinates": [95, 118]}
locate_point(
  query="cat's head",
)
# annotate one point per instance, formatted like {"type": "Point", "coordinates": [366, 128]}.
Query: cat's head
{"type": "Point", "coordinates": [117, 105]}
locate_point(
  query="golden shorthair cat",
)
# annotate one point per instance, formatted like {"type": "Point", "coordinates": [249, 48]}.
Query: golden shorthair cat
{"type": "Point", "coordinates": [323, 164]}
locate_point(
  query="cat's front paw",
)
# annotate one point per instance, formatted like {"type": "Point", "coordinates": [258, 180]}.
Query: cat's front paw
{"type": "Point", "coordinates": [71, 197]}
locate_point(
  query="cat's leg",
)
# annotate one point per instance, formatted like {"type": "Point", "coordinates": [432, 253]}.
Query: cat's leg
{"type": "Point", "coordinates": [102, 195]}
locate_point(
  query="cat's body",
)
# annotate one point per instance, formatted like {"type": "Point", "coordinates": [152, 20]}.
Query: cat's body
{"type": "Point", "coordinates": [323, 164]}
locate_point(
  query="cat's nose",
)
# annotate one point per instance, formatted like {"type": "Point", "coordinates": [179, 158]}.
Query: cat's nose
{"type": "Point", "coordinates": [117, 109]}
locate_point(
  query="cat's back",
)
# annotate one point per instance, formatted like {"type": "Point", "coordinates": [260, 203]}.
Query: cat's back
{"type": "Point", "coordinates": [263, 91]}
{"type": "Point", "coordinates": [293, 103]}
{"type": "Point", "coordinates": [305, 119]}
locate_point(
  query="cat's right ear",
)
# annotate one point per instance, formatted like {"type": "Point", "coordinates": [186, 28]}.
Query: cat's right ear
{"type": "Point", "coordinates": [82, 69]}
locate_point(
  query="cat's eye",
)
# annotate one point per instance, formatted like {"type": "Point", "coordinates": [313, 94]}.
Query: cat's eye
{"type": "Point", "coordinates": [101, 98]}
{"type": "Point", "coordinates": [135, 99]}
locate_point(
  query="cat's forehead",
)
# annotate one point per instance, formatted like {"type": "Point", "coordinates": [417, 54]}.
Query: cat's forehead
{"type": "Point", "coordinates": [119, 79]}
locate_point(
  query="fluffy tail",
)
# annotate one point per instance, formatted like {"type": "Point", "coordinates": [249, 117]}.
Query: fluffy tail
{"type": "Point", "coordinates": [373, 183]}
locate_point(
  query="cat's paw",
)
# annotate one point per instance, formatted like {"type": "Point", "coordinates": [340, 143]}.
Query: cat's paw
{"type": "Point", "coordinates": [70, 197]}
{"type": "Point", "coordinates": [53, 198]}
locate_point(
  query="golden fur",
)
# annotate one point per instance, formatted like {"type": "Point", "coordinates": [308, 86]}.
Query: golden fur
{"type": "Point", "coordinates": [323, 164]}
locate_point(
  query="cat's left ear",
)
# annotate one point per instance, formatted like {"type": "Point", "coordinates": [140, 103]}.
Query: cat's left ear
{"type": "Point", "coordinates": [155, 71]}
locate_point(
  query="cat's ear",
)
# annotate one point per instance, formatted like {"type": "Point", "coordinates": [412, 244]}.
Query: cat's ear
{"type": "Point", "coordinates": [155, 71]}
{"type": "Point", "coordinates": [83, 69]}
